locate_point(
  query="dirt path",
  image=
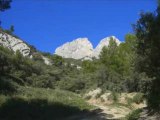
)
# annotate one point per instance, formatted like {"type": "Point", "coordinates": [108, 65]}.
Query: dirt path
{"type": "Point", "coordinates": [113, 112]}
{"type": "Point", "coordinates": [103, 112]}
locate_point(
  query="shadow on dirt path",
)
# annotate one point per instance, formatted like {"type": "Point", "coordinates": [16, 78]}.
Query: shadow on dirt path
{"type": "Point", "coordinates": [97, 114]}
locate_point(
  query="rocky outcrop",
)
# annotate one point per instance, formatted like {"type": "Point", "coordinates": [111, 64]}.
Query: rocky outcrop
{"type": "Point", "coordinates": [14, 44]}
{"type": "Point", "coordinates": [46, 60]}
{"type": "Point", "coordinates": [82, 48]}
{"type": "Point", "coordinates": [77, 49]}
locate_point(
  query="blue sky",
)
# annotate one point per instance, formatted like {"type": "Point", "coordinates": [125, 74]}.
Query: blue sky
{"type": "Point", "coordinates": [47, 24]}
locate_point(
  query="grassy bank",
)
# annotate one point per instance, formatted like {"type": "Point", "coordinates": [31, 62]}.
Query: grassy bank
{"type": "Point", "coordinates": [41, 104]}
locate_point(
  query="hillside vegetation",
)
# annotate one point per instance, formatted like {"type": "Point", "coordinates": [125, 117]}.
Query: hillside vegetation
{"type": "Point", "coordinates": [32, 90]}
{"type": "Point", "coordinates": [41, 91]}
{"type": "Point", "coordinates": [38, 103]}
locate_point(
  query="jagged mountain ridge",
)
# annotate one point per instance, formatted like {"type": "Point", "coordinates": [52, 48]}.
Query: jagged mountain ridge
{"type": "Point", "coordinates": [82, 48]}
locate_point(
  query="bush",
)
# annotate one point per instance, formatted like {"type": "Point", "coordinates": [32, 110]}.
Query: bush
{"type": "Point", "coordinates": [138, 98]}
{"type": "Point", "coordinates": [114, 96]}
{"type": "Point", "coordinates": [134, 115]}
{"type": "Point", "coordinates": [7, 86]}
{"type": "Point", "coordinates": [41, 104]}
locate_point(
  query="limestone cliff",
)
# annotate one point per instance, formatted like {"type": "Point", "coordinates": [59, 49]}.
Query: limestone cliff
{"type": "Point", "coordinates": [77, 49]}
{"type": "Point", "coordinates": [14, 44]}
{"type": "Point", "coordinates": [82, 48]}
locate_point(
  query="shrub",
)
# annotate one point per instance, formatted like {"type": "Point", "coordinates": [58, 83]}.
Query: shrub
{"type": "Point", "coordinates": [138, 98]}
{"type": "Point", "coordinates": [7, 86]}
{"type": "Point", "coordinates": [114, 96]}
{"type": "Point", "coordinates": [88, 97]}
{"type": "Point", "coordinates": [41, 104]}
{"type": "Point", "coordinates": [134, 115]}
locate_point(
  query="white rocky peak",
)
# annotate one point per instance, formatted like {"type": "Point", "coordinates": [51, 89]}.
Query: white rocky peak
{"type": "Point", "coordinates": [77, 49]}
{"type": "Point", "coordinates": [102, 43]}
{"type": "Point", "coordinates": [82, 48]}
{"type": "Point", "coordinates": [14, 43]}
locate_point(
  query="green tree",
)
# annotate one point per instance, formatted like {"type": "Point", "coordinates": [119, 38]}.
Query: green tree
{"type": "Point", "coordinates": [89, 66]}
{"type": "Point", "coordinates": [5, 4]}
{"type": "Point", "coordinates": [147, 30]}
{"type": "Point", "coordinates": [5, 60]}
{"type": "Point", "coordinates": [108, 54]}
{"type": "Point", "coordinates": [12, 29]}
{"type": "Point", "coordinates": [57, 60]}
{"type": "Point", "coordinates": [118, 61]}
{"type": "Point", "coordinates": [37, 57]}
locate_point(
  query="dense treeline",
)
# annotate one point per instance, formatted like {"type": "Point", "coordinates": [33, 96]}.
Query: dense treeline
{"type": "Point", "coordinates": [33, 72]}
{"type": "Point", "coordinates": [114, 70]}
{"type": "Point", "coordinates": [147, 30]}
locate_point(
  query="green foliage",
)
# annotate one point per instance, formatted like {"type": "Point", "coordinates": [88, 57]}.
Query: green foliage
{"type": "Point", "coordinates": [115, 69]}
{"type": "Point", "coordinates": [89, 66]}
{"type": "Point", "coordinates": [138, 98]}
{"type": "Point", "coordinates": [38, 103]}
{"type": "Point", "coordinates": [10, 31]}
{"type": "Point", "coordinates": [134, 115]}
{"type": "Point", "coordinates": [7, 86]}
{"type": "Point", "coordinates": [147, 30]}
{"type": "Point", "coordinates": [110, 72]}
{"type": "Point", "coordinates": [5, 60]}
{"type": "Point", "coordinates": [4, 4]}
{"type": "Point", "coordinates": [57, 60]}
{"type": "Point", "coordinates": [131, 66]}
{"type": "Point", "coordinates": [37, 57]}
{"type": "Point", "coordinates": [109, 57]}
{"type": "Point", "coordinates": [114, 96]}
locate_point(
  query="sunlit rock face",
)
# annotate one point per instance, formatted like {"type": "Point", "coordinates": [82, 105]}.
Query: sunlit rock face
{"type": "Point", "coordinates": [14, 44]}
{"type": "Point", "coordinates": [77, 49]}
{"type": "Point", "coordinates": [102, 43]}
{"type": "Point", "coordinates": [82, 48]}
